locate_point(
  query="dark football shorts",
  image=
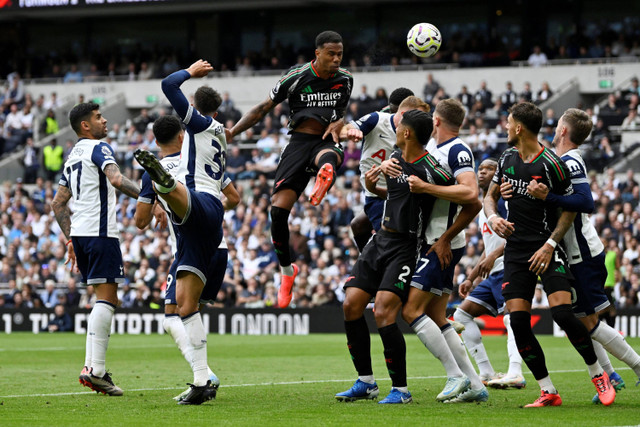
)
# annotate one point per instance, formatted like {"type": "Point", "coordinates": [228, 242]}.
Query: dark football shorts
{"type": "Point", "coordinates": [520, 282]}
{"type": "Point", "coordinates": [99, 259]}
{"type": "Point", "coordinates": [386, 263]}
{"type": "Point", "coordinates": [297, 160]}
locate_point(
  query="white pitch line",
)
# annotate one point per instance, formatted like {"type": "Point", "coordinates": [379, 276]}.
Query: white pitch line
{"type": "Point", "coordinates": [34, 349]}
{"type": "Point", "coordinates": [266, 384]}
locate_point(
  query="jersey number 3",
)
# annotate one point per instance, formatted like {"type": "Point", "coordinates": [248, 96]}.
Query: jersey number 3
{"type": "Point", "coordinates": [218, 159]}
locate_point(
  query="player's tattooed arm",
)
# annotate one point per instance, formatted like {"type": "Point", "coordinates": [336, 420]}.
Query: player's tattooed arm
{"type": "Point", "coordinates": [564, 223]}
{"type": "Point", "coordinates": [253, 116]}
{"type": "Point", "coordinates": [121, 182]}
{"type": "Point", "coordinates": [61, 210]}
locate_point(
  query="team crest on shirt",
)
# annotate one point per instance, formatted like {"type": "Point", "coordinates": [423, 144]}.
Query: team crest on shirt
{"type": "Point", "coordinates": [574, 167]}
{"type": "Point", "coordinates": [464, 158]}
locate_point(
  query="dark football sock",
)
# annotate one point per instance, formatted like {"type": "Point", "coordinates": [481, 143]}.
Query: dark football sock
{"type": "Point", "coordinates": [359, 343]}
{"type": "Point", "coordinates": [280, 234]}
{"type": "Point", "coordinates": [395, 353]}
{"type": "Point", "coordinates": [528, 346]}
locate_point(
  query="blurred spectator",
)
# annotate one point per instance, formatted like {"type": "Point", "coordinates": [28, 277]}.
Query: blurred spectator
{"type": "Point", "coordinates": [537, 57]}
{"type": "Point", "coordinates": [235, 164]}
{"type": "Point", "coordinates": [61, 321]}
{"type": "Point", "coordinates": [381, 99]}
{"type": "Point", "coordinates": [550, 118]}
{"type": "Point", "coordinates": [52, 155]}
{"type": "Point", "coordinates": [508, 97]}
{"type": "Point", "coordinates": [88, 299]}
{"type": "Point", "coordinates": [146, 71]}
{"type": "Point", "coordinates": [73, 75]}
{"type": "Point", "coordinates": [430, 89]}
{"type": "Point", "coordinates": [73, 295]}
{"type": "Point", "coordinates": [526, 94]}
{"type": "Point", "coordinates": [484, 95]}
{"type": "Point", "coordinates": [52, 103]}
{"type": "Point", "coordinates": [50, 294]}
{"type": "Point", "coordinates": [544, 93]}
{"type": "Point", "coordinates": [30, 162]}
{"type": "Point", "coordinates": [15, 93]}
{"type": "Point", "coordinates": [632, 121]}
{"type": "Point", "coordinates": [539, 298]}
{"type": "Point", "coordinates": [351, 160]}
{"type": "Point", "coordinates": [365, 102]}
{"type": "Point", "coordinates": [50, 123]}
{"type": "Point", "coordinates": [611, 108]}
{"type": "Point", "coordinates": [465, 97]}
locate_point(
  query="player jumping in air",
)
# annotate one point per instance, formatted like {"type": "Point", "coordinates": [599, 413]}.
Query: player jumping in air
{"type": "Point", "coordinates": [318, 93]}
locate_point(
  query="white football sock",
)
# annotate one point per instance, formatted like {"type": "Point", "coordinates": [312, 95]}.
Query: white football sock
{"type": "Point", "coordinates": [603, 357]}
{"type": "Point", "coordinates": [473, 341]}
{"type": "Point", "coordinates": [369, 379]}
{"type": "Point", "coordinates": [175, 328]}
{"type": "Point", "coordinates": [286, 270]}
{"type": "Point", "coordinates": [515, 361]}
{"type": "Point", "coordinates": [430, 335]}
{"type": "Point", "coordinates": [595, 369]}
{"type": "Point", "coordinates": [101, 319]}
{"type": "Point", "coordinates": [546, 384]}
{"type": "Point", "coordinates": [462, 359]}
{"type": "Point", "coordinates": [613, 342]}
{"type": "Point", "coordinates": [89, 343]}
{"type": "Point", "coordinates": [198, 338]}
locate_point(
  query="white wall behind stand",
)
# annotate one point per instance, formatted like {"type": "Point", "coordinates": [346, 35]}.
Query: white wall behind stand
{"type": "Point", "coordinates": [247, 91]}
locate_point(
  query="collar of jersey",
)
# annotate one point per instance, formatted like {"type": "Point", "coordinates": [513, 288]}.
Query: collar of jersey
{"type": "Point", "coordinates": [393, 125]}
{"type": "Point", "coordinates": [447, 141]}
{"type": "Point", "coordinates": [315, 73]}
{"type": "Point", "coordinates": [426, 153]}
{"type": "Point", "coordinates": [537, 155]}
{"type": "Point", "coordinates": [177, 153]}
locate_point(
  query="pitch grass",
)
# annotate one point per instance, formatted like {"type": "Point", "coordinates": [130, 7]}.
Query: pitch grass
{"type": "Point", "coordinates": [278, 380]}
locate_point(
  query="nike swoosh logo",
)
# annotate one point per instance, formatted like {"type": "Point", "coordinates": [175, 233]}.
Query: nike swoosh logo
{"type": "Point", "coordinates": [370, 390]}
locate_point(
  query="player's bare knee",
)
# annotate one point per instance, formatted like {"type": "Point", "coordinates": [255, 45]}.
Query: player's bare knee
{"type": "Point", "coordinates": [352, 310]}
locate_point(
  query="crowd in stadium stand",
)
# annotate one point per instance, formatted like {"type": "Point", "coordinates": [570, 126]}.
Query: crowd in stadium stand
{"type": "Point", "coordinates": [590, 41]}
{"type": "Point", "coordinates": [33, 273]}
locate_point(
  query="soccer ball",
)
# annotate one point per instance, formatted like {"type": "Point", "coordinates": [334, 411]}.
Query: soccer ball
{"type": "Point", "coordinates": [424, 40]}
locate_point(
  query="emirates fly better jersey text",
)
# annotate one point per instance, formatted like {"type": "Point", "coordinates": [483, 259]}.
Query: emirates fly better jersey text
{"type": "Point", "coordinates": [311, 97]}
{"type": "Point", "coordinates": [533, 219]}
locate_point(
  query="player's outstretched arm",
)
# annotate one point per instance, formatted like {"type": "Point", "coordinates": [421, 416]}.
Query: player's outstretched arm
{"type": "Point", "coordinates": [462, 193]}
{"type": "Point", "coordinates": [580, 200]}
{"type": "Point", "coordinates": [253, 116]}
{"type": "Point", "coordinates": [200, 68]}
{"type": "Point", "coordinates": [121, 182]}
{"type": "Point", "coordinates": [351, 133]}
